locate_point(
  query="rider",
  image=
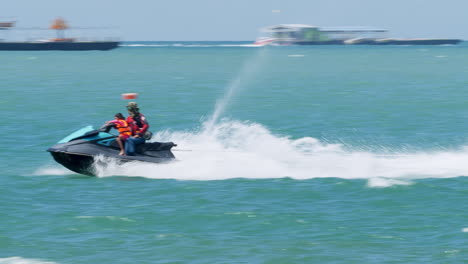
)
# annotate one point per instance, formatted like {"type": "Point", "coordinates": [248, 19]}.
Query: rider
{"type": "Point", "coordinates": [124, 131]}
{"type": "Point", "coordinates": [139, 126]}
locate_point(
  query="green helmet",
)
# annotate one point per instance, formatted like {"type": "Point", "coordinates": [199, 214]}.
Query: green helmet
{"type": "Point", "coordinates": [133, 107]}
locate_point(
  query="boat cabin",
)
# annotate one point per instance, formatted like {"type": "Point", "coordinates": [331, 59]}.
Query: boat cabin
{"type": "Point", "coordinates": [307, 33]}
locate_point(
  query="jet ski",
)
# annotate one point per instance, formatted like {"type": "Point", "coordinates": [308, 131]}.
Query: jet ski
{"type": "Point", "coordinates": [78, 150]}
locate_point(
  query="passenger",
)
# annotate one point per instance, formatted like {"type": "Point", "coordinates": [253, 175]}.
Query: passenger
{"type": "Point", "coordinates": [139, 126]}
{"type": "Point", "coordinates": [124, 131]}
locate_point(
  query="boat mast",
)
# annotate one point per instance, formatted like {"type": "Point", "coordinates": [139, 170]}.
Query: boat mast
{"type": "Point", "coordinates": [60, 25]}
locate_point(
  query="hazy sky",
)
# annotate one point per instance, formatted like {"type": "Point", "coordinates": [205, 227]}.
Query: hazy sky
{"type": "Point", "coordinates": [242, 19]}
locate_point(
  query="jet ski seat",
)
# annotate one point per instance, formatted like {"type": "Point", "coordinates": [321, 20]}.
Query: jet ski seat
{"type": "Point", "coordinates": [143, 148]}
{"type": "Point", "coordinates": [154, 146]}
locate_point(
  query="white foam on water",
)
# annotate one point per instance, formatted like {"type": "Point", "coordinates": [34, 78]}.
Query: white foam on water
{"type": "Point", "coordinates": [384, 182]}
{"type": "Point", "coordinates": [52, 170]}
{"type": "Point", "coordinates": [108, 217]}
{"type": "Point", "coordinates": [234, 149]}
{"type": "Point", "coordinates": [105, 166]}
{"type": "Point", "coordinates": [465, 230]}
{"type": "Point", "coordinates": [20, 260]}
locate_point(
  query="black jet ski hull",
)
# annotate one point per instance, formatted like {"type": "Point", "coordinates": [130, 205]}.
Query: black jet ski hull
{"type": "Point", "coordinates": [81, 164]}
{"type": "Point", "coordinates": [86, 164]}
{"type": "Point", "coordinates": [78, 151]}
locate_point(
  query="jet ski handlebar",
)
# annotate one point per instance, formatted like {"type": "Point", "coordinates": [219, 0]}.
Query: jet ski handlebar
{"type": "Point", "coordinates": [106, 127]}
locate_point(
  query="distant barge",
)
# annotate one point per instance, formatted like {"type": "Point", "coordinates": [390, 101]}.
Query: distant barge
{"type": "Point", "coordinates": [59, 43]}
{"type": "Point", "coordinates": [297, 34]}
{"type": "Point", "coordinates": [404, 41]}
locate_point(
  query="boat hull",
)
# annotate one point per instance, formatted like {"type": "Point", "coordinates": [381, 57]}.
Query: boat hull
{"type": "Point", "coordinates": [416, 42]}
{"type": "Point", "coordinates": [75, 45]}
{"type": "Point", "coordinates": [79, 155]}
{"type": "Point", "coordinates": [383, 42]}
{"type": "Point", "coordinates": [78, 163]}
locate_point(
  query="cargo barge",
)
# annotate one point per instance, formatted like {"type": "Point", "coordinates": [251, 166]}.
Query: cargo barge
{"type": "Point", "coordinates": [298, 34]}
{"type": "Point", "coordinates": [58, 43]}
{"type": "Point", "coordinates": [390, 41]}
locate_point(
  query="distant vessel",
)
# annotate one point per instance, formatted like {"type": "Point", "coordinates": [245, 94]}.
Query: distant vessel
{"type": "Point", "coordinates": [299, 34]}
{"type": "Point", "coordinates": [58, 43]}
{"type": "Point", "coordinates": [393, 41]}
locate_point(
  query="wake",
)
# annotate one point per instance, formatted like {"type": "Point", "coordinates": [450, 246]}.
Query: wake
{"type": "Point", "coordinates": [234, 149]}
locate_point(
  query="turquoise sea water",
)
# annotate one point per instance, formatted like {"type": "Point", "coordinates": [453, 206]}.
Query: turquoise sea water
{"type": "Point", "coordinates": [319, 154]}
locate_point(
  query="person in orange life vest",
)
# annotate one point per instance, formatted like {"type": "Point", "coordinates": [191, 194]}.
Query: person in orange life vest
{"type": "Point", "coordinates": [139, 126]}
{"type": "Point", "coordinates": [124, 131]}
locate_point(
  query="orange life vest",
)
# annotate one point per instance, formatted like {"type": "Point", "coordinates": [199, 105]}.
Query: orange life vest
{"type": "Point", "coordinates": [123, 128]}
